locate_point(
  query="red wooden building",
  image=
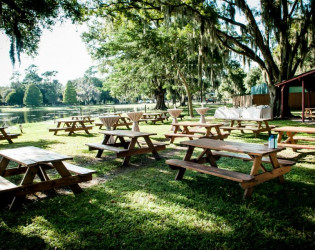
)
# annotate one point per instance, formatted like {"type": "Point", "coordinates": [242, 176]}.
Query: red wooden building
{"type": "Point", "coordinates": [306, 80]}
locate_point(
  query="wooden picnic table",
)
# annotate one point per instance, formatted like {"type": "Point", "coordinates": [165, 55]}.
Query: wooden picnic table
{"type": "Point", "coordinates": [308, 113]}
{"type": "Point", "coordinates": [71, 126]}
{"type": "Point", "coordinates": [196, 130]}
{"type": "Point", "coordinates": [125, 144]}
{"type": "Point", "coordinates": [85, 118]}
{"type": "Point", "coordinates": [292, 140]}
{"type": "Point", "coordinates": [214, 149]}
{"type": "Point", "coordinates": [121, 122]}
{"type": "Point", "coordinates": [34, 161]}
{"type": "Point", "coordinates": [7, 136]}
{"type": "Point", "coordinates": [261, 125]}
{"type": "Point", "coordinates": [153, 117]}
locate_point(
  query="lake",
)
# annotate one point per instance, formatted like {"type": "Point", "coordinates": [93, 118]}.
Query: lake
{"type": "Point", "coordinates": [38, 115]}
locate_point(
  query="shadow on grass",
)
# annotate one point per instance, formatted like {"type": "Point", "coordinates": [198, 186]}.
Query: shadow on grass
{"type": "Point", "coordinates": [38, 143]}
{"type": "Point", "coordinates": [147, 208]}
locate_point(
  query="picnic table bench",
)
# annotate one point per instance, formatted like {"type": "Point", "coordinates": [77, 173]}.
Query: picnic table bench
{"type": "Point", "coordinates": [127, 147]}
{"type": "Point", "coordinates": [34, 161]}
{"type": "Point", "coordinates": [292, 140]}
{"type": "Point", "coordinates": [71, 126]}
{"type": "Point", "coordinates": [7, 136]}
{"type": "Point", "coordinates": [196, 130]}
{"type": "Point", "coordinates": [214, 149]}
{"type": "Point", "coordinates": [261, 125]}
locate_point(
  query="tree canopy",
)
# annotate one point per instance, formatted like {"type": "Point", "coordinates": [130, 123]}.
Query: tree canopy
{"type": "Point", "coordinates": [33, 96]}
{"type": "Point", "coordinates": [277, 35]}
{"type": "Point", "coordinates": [23, 20]}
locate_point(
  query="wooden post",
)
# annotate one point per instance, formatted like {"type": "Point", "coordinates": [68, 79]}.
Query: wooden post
{"type": "Point", "coordinates": [282, 100]}
{"type": "Point", "coordinates": [303, 100]}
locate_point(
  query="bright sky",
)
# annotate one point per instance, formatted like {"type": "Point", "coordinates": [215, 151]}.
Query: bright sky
{"type": "Point", "coordinates": [61, 49]}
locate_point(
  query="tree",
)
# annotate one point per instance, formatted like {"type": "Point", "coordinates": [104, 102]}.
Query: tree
{"type": "Point", "coordinates": [23, 20]}
{"type": "Point", "coordinates": [253, 77]}
{"type": "Point", "coordinates": [50, 88]}
{"type": "Point", "coordinates": [277, 35]}
{"type": "Point", "coordinates": [33, 96]}
{"type": "Point", "coordinates": [70, 94]}
{"type": "Point", "coordinates": [15, 97]}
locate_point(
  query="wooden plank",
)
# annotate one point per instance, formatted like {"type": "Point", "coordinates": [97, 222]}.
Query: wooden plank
{"type": "Point", "coordinates": [139, 151]}
{"type": "Point", "coordinates": [260, 178]}
{"type": "Point", "coordinates": [236, 147]}
{"type": "Point", "coordinates": [48, 185]}
{"type": "Point", "coordinates": [98, 146]}
{"type": "Point", "coordinates": [296, 146]}
{"type": "Point", "coordinates": [89, 127]}
{"type": "Point", "coordinates": [5, 185]}
{"type": "Point", "coordinates": [77, 169]}
{"type": "Point", "coordinates": [58, 129]}
{"type": "Point", "coordinates": [303, 138]}
{"type": "Point", "coordinates": [182, 135]}
{"type": "Point", "coordinates": [126, 133]}
{"type": "Point", "coordinates": [28, 156]}
{"type": "Point", "coordinates": [223, 173]}
{"type": "Point", "coordinates": [295, 129]}
{"type": "Point", "coordinates": [244, 157]}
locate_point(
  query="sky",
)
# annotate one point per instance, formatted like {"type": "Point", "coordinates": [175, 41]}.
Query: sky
{"type": "Point", "coordinates": [60, 49]}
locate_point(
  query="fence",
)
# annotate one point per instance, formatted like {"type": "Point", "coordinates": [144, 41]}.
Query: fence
{"type": "Point", "coordinates": [295, 100]}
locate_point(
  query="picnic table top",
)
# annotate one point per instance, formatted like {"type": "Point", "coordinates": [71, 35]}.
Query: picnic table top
{"type": "Point", "coordinates": [197, 124]}
{"type": "Point", "coordinates": [295, 129]}
{"type": "Point", "coordinates": [70, 120]}
{"type": "Point", "coordinates": [28, 156]}
{"type": "Point", "coordinates": [237, 147]}
{"type": "Point", "coordinates": [151, 113]}
{"type": "Point", "coordinates": [75, 116]}
{"type": "Point", "coordinates": [126, 133]}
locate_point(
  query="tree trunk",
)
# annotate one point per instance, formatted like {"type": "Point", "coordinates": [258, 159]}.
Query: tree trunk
{"type": "Point", "coordinates": [159, 94]}
{"type": "Point", "coordinates": [191, 113]}
{"type": "Point", "coordinates": [182, 99]}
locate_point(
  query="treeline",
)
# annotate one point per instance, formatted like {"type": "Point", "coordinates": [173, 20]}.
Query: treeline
{"type": "Point", "coordinates": [44, 89]}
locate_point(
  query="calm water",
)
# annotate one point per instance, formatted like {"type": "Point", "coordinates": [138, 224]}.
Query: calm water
{"type": "Point", "coordinates": [20, 117]}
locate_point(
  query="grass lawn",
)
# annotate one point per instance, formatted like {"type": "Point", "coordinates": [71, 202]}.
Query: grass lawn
{"type": "Point", "coordinates": [142, 206]}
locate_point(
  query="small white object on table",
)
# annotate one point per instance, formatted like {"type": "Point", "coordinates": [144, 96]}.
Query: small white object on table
{"type": "Point", "coordinates": [109, 121]}
{"type": "Point", "coordinates": [135, 117]}
{"type": "Point", "coordinates": [174, 114]}
{"type": "Point", "coordinates": [201, 112]}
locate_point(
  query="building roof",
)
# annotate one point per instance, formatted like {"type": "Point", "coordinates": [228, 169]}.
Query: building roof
{"type": "Point", "coordinates": [307, 77]}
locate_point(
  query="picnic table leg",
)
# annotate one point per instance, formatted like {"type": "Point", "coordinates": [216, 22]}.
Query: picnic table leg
{"type": "Point", "coordinates": [5, 135]}
{"type": "Point", "coordinates": [3, 165]}
{"type": "Point", "coordinates": [267, 127]}
{"type": "Point", "coordinates": [254, 171]}
{"type": "Point", "coordinates": [209, 158]}
{"type": "Point", "coordinates": [27, 179]}
{"type": "Point", "coordinates": [275, 164]}
{"type": "Point", "coordinates": [58, 126]}
{"type": "Point", "coordinates": [104, 142]}
{"type": "Point", "coordinates": [291, 140]}
{"type": "Point", "coordinates": [85, 128]}
{"type": "Point", "coordinates": [64, 172]}
{"type": "Point", "coordinates": [181, 171]}
{"type": "Point", "coordinates": [123, 142]}
{"type": "Point", "coordinates": [131, 146]}
{"type": "Point", "coordinates": [220, 136]}
{"type": "Point", "coordinates": [151, 146]}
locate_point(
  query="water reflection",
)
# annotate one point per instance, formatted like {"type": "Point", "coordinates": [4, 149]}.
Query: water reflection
{"type": "Point", "coordinates": [20, 117]}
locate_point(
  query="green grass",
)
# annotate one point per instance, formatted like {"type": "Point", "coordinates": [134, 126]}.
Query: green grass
{"type": "Point", "coordinates": [142, 206]}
